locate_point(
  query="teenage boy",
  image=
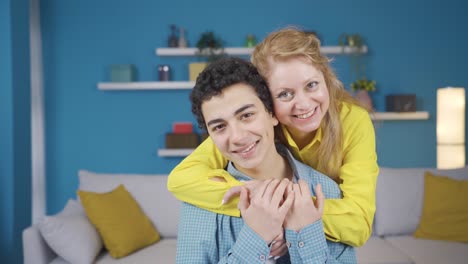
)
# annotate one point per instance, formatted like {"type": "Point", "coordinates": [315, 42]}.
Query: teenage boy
{"type": "Point", "coordinates": [232, 102]}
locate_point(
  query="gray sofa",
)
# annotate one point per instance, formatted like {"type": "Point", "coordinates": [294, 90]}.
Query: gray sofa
{"type": "Point", "coordinates": [399, 200]}
{"type": "Point", "coordinates": [399, 203]}
{"type": "Point", "coordinates": [157, 203]}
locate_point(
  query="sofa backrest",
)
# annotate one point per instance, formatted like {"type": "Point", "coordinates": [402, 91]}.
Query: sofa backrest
{"type": "Point", "coordinates": [150, 191]}
{"type": "Point", "coordinates": [399, 198]}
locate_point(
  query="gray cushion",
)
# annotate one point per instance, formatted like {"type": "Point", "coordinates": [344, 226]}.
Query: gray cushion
{"type": "Point", "coordinates": [70, 230]}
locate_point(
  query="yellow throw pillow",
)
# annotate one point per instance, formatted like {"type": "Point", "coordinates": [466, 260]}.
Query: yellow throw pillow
{"type": "Point", "coordinates": [445, 210]}
{"type": "Point", "coordinates": [123, 226]}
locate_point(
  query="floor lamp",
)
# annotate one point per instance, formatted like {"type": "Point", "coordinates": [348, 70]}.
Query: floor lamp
{"type": "Point", "coordinates": [450, 128]}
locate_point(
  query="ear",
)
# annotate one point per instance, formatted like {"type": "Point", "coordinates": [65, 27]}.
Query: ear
{"type": "Point", "coordinates": [274, 120]}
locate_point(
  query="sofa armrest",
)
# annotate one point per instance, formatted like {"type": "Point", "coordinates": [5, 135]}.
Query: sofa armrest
{"type": "Point", "coordinates": [35, 249]}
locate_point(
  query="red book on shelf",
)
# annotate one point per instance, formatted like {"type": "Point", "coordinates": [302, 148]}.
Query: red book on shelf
{"type": "Point", "coordinates": [182, 128]}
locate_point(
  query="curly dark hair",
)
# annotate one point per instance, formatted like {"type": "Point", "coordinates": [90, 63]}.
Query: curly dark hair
{"type": "Point", "coordinates": [222, 74]}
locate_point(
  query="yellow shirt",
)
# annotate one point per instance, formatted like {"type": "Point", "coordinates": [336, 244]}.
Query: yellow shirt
{"type": "Point", "coordinates": [347, 220]}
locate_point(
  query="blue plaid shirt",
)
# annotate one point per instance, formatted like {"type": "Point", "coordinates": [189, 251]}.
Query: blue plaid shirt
{"type": "Point", "coordinates": [207, 237]}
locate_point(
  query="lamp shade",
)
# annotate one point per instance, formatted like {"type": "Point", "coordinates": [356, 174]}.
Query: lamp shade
{"type": "Point", "coordinates": [450, 156]}
{"type": "Point", "coordinates": [450, 128]}
{"type": "Point", "coordinates": [451, 116]}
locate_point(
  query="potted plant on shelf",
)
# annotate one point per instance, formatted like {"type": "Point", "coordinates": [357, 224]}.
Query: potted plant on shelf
{"type": "Point", "coordinates": [361, 89]}
{"type": "Point", "coordinates": [211, 47]}
{"type": "Point", "coordinates": [361, 86]}
{"type": "Point", "coordinates": [354, 41]}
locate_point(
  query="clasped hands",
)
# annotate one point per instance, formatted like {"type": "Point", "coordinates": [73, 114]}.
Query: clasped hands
{"type": "Point", "coordinates": [270, 206]}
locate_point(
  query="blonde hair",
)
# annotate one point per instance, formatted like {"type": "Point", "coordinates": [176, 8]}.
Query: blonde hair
{"type": "Point", "coordinates": [291, 42]}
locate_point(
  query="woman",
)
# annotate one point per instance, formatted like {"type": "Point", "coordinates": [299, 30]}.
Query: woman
{"type": "Point", "coordinates": [323, 127]}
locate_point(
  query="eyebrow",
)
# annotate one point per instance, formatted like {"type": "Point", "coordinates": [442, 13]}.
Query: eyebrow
{"type": "Point", "coordinates": [240, 110]}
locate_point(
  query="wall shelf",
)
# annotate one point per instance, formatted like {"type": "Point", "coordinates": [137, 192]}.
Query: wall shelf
{"type": "Point", "coordinates": [193, 51]}
{"type": "Point", "coordinates": [175, 85]}
{"type": "Point", "coordinates": [395, 116]}
{"type": "Point", "coordinates": [400, 116]}
{"type": "Point", "coordinates": [337, 50]}
{"type": "Point", "coordinates": [109, 86]}
{"type": "Point", "coordinates": [174, 152]}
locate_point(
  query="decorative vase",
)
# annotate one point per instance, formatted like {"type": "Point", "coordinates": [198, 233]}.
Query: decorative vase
{"type": "Point", "coordinates": [182, 39]}
{"type": "Point", "coordinates": [364, 98]}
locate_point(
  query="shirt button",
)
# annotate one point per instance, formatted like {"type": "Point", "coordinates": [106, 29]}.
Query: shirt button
{"type": "Point", "coordinates": [262, 257]}
{"type": "Point", "coordinates": [301, 244]}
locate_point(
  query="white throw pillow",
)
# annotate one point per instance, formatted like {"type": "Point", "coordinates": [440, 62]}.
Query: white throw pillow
{"type": "Point", "coordinates": [70, 234]}
{"type": "Point", "coordinates": [149, 190]}
{"type": "Point", "coordinates": [399, 198]}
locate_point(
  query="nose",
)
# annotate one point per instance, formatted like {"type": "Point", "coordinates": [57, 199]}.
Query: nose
{"type": "Point", "coordinates": [302, 102]}
{"type": "Point", "coordinates": [238, 134]}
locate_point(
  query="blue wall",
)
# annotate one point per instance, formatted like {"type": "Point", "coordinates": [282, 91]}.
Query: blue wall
{"type": "Point", "coordinates": [415, 47]}
{"type": "Point", "coordinates": [6, 135]}
{"type": "Point", "coordinates": [15, 142]}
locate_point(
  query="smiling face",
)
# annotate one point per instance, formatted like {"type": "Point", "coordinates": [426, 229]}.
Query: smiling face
{"type": "Point", "coordinates": [300, 95]}
{"type": "Point", "coordinates": [240, 126]}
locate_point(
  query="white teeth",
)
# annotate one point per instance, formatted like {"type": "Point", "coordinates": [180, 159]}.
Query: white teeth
{"type": "Point", "coordinates": [249, 148]}
{"type": "Point", "coordinates": [306, 115]}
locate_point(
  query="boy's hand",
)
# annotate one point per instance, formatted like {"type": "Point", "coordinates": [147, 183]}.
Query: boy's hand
{"type": "Point", "coordinates": [264, 212]}
{"type": "Point", "coordinates": [304, 210]}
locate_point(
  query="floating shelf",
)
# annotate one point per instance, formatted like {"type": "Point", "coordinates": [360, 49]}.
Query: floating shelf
{"type": "Point", "coordinates": [174, 152]}
{"type": "Point", "coordinates": [247, 51]}
{"type": "Point", "coordinates": [395, 116]}
{"type": "Point", "coordinates": [193, 51]}
{"type": "Point", "coordinates": [400, 116]}
{"type": "Point", "coordinates": [175, 85]}
{"type": "Point", "coordinates": [107, 86]}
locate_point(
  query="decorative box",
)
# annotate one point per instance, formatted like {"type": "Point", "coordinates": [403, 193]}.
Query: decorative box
{"type": "Point", "coordinates": [182, 128]}
{"type": "Point", "coordinates": [122, 73]}
{"type": "Point", "coordinates": [400, 103]}
{"type": "Point", "coordinates": [182, 140]}
{"type": "Point", "coordinates": [195, 69]}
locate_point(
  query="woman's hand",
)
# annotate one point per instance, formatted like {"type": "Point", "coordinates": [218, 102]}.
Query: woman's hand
{"type": "Point", "coordinates": [264, 211]}
{"type": "Point", "coordinates": [304, 210]}
{"type": "Point", "coordinates": [236, 190]}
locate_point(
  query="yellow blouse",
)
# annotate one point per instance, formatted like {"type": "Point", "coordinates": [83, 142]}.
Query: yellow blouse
{"type": "Point", "coordinates": [348, 220]}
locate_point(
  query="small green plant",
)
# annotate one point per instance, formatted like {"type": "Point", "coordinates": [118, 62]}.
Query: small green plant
{"type": "Point", "coordinates": [356, 45]}
{"type": "Point", "coordinates": [363, 84]}
{"type": "Point", "coordinates": [354, 41]}
{"type": "Point", "coordinates": [211, 46]}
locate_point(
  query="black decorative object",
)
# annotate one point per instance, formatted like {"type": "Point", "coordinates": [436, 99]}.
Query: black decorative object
{"type": "Point", "coordinates": [400, 103]}
{"type": "Point", "coordinates": [173, 41]}
{"type": "Point", "coordinates": [164, 72]}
